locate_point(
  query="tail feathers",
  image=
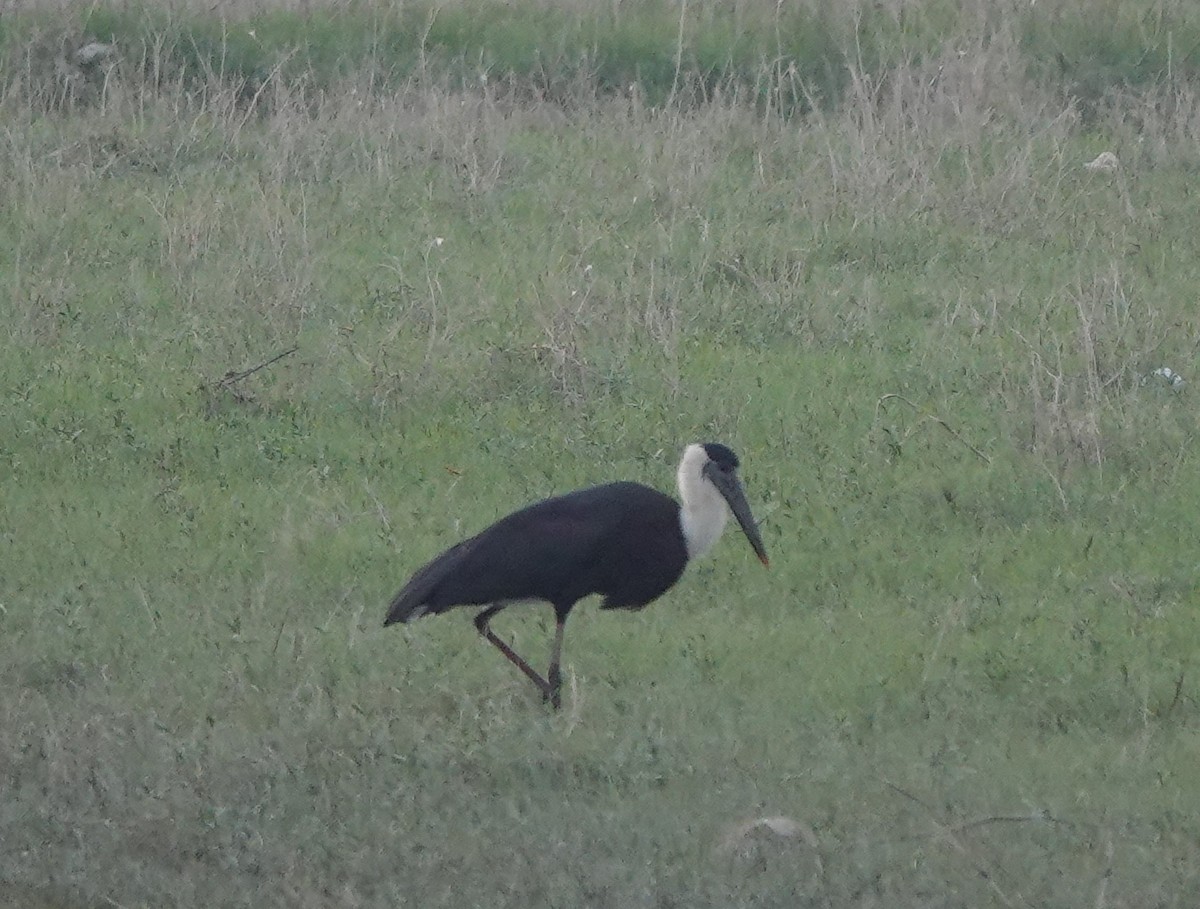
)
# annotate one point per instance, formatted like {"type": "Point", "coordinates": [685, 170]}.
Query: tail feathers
{"type": "Point", "coordinates": [403, 611]}
{"type": "Point", "coordinates": [410, 603]}
{"type": "Point", "coordinates": [415, 599]}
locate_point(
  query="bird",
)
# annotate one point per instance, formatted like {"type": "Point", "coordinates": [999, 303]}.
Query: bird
{"type": "Point", "coordinates": [627, 542]}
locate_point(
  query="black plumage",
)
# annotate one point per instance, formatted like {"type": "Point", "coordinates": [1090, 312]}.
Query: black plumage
{"type": "Point", "coordinates": [624, 541]}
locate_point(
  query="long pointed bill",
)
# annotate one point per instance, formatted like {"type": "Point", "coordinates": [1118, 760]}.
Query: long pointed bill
{"type": "Point", "coordinates": [729, 486]}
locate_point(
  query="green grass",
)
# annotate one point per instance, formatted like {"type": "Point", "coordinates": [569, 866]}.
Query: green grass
{"type": "Point", "coordinates": [786, 57]}
{"type": "Point", "coordinates": [969, 675]}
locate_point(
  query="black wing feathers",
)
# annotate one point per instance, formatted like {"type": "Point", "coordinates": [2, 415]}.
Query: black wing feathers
{"type": "Point", "coordinates": [622, 540]}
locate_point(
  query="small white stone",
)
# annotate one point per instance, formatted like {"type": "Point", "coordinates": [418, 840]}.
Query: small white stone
{"type": "Point", "coordinates": [1170, 376]}
{"type": "Point", "coordinates": [94, 52]}
{"type": "Point", "coordinates": [1105, 161]}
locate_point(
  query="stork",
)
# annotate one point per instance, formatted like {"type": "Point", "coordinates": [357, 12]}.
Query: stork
{"type": "Point", "coordinates": [624, 541]}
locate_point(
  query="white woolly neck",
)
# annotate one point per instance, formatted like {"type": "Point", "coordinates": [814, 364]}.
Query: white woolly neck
{"type": "Point", "coordinates": [704, 512]}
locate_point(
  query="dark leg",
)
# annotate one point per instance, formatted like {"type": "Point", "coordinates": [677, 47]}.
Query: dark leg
{"type": "Point", "coordinates": [481, 624]}
{"type": "Point", "coordinates": [554, 676]}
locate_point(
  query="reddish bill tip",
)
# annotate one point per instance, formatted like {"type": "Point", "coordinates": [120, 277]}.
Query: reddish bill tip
{"type": "Point", "coordinates": [764, 560]}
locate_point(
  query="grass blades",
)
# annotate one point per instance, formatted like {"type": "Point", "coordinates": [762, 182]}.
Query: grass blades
{"type": "Point", "coordinates": [293, 301]}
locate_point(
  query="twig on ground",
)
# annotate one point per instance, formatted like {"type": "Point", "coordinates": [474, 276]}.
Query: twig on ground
{"type": "Point", "coordinates": [213, 391]}
{"type": "Point", "coordinates": [1175, 700]}
{"type": "Point", "coordinates": [930, 417]}
{"type": "Point", "coordinates": [948, 833]}
{"type": "Point", "coordinates": [233, 376]}
{"type": "Point", "coordinates": [282, 622]}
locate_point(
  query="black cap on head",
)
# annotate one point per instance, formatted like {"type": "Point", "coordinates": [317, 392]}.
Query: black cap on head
{"type": "Point", "coordinates": [720, 454]}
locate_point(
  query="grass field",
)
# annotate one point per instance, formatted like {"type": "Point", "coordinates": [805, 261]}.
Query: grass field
{"type": "Point", "coordinates": [503, 252]}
